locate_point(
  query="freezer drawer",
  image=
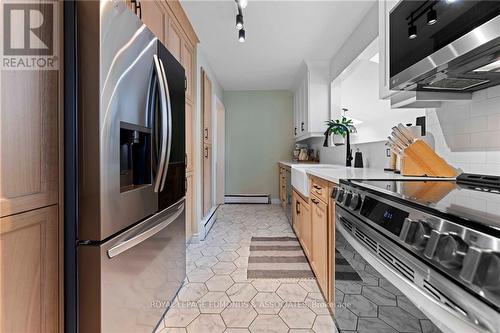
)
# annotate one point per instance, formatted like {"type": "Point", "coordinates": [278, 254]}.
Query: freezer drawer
{"type": "Point", "coordinates": [125, 283]}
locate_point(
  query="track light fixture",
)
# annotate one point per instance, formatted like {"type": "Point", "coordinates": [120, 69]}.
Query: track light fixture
{"type": "Point", "coordinates": [431, 16]}
{"type": "Point", "coordinates": [241, 36]}
{"type": "Point", "coordinates": [239, 21]}
{"type": "Point", "coordinates": [426, 8]}
{"type": "Point", "coordinates": [412, 31]}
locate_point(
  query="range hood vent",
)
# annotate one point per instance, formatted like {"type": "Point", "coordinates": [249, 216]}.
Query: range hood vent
{"type": "Point", "coordinates": [426, 99]}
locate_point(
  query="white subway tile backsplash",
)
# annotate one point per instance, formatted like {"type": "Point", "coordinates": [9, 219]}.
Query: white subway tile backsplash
{"type": "Point", "coordinates": [493, 92]}
{"type": "Point", "coordinates": [494, 122]}
{"type": "Point", "coordinates": [468, 134]}
{"type": "Point", "coordinates": [485, 107]}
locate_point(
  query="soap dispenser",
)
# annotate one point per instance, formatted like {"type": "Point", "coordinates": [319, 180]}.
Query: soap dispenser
{"type": "Point", "coordinates": [358, 159]}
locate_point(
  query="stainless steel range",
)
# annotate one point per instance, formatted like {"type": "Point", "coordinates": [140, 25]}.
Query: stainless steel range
{"type": "Point", "coordinates": [438, 241]}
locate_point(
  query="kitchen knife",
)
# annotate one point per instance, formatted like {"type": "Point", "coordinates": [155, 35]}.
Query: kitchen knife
{"type": "Point", "coordinates": [396, 144]}
{"type": "Point", "coordinates": [400, 138]}
{"type": "Point", "coordinates": [406, 132]}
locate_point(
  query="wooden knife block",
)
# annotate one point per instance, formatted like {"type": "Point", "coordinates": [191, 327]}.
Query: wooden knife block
{"type": "Point", "coordinates": [420, 160]}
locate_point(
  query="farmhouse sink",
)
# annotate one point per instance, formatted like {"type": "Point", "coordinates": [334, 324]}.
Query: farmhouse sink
{"type": "Point", "coordinates": [300, 180]}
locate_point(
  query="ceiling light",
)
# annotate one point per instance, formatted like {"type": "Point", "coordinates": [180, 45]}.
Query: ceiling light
{"type": "Point", "coordinates": [450, 1]}
{"type": "Point", "coordinates": [243, 3]}
{"type": "Point", "coordinates": [432, 16]}
{"type": "Point", "coordinates": [492, 66]}
{"type": "Point", "coordinates": [239, 21]}
{"type": "Point", "coordinates": [412, 32]}
{"type": "Point", "coordinates": [241, 36]}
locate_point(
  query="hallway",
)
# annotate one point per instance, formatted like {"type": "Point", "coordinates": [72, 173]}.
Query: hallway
{"type": "Point", "coordinates": [218, 297]}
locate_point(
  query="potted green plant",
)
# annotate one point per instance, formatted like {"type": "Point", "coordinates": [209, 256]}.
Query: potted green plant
{"type": "Point", "coordinates": [339, 131]}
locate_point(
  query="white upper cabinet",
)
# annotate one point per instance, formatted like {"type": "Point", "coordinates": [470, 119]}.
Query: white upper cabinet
{"type": "Point", "coordinates": [310, 100]}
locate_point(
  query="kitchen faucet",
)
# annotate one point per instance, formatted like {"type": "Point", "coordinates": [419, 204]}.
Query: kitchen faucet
{"type": "Point", "coordinates": [348, 157]}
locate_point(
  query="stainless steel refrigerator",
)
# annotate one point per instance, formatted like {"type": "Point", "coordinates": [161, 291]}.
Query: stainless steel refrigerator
{"type": "Point", "coordinates": [130, 246]}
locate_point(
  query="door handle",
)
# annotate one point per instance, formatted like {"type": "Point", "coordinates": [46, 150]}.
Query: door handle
{"type": "Point", "coordinates": [315, 201]}
{"type": "Point", "coordinates": [141, 237]}
{"type": "Point", "coordinates": [206, 133]}
{"type": "Point", "coordinates": [297, 207]}
{"type": "Point", "coordinates": [168, 126]}
{"type": "Point", "coordinates": [163, 106]}
{"type": "Point", "coordinates": [302, 126]}
{"type": "Point", "coordinates": [206, 152]}
{"type": "Point", "coordinates": [295, 131]}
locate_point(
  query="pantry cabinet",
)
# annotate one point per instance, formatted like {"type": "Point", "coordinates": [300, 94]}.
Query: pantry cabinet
{"type": "Point", "coordinates": [311, 100]}
{"type": "Point", "coordinates": [30, 238]}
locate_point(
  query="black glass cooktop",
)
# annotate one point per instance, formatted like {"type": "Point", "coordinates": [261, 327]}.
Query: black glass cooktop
{"type": "Point", "coordinates": [472, 203]}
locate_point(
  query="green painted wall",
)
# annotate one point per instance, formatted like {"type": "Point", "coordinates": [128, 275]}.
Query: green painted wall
{"type": "Point", "coordinates": [259, 133]}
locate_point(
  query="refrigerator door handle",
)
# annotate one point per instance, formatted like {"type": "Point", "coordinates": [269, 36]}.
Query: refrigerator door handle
{"type": "Point", "coordinates": [163, 103]}
{"type": "Point", "coordinates": [169, 124]}
{"type": "Point", "coordinates": [142, 236]}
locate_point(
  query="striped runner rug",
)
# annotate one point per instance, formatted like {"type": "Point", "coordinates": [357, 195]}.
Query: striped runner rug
{"type": "Point", "coordinates": [277, 258]}
{"type": "Point", "coordinates": [344, 270]}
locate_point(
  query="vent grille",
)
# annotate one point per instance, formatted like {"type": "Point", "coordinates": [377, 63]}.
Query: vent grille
{"type": "Point", "coordinates": [443, 299]}
{"type": "Point", "coordinates": [454, 84]}
{"type": "Point", "coordinates": [347, 224]}
{"type": "Point", "coordinates": [385, 254]}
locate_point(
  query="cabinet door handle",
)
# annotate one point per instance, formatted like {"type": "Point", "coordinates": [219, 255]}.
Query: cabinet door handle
{"type": "Point", "coordinates": [206, 133]}
{"type": "Point", "coordinates": [315, 201]}
{"type": "Point", "coordinates": [297, 207]}
{"type": "Point", "coordinates": [302, 126]}
{"type": "Point", "coordinates": [206, 152]}
{"type": "Point", "coordinates": [137, 8]}
{"type": "Point", "coordinates": [295, 131]}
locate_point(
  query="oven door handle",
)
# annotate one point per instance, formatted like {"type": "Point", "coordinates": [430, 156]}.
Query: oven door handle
{"type": "Point", "coordinates": [137, 239]}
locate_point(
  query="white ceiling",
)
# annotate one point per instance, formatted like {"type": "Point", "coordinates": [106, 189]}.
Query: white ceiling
{"type": "Point", "coordinates": [280, 35]}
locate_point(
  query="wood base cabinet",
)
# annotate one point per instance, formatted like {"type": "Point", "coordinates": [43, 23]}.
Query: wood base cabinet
{"type": "Point", "coordinates": [313, 222]}
{"type": "Point", "coordinates": [320, 253]}
{"type": "Point", "coordinates": [29, 278]}
{"type": "Point", "coordinates": [301, 222]}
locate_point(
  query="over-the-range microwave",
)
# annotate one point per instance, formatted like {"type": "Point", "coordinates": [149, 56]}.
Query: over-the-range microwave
{"type": "Point", "coordinates": [444, 45]}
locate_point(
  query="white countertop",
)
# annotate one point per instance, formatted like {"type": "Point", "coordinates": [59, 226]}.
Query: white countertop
{"type": "Point", "coordinates": [291, 163]}
{"type": "Point", "coordinates": [334, 175]}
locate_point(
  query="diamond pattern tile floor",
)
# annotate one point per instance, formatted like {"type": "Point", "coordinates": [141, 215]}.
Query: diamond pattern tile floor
{"type": "Point", "coordinates": [218, 297]}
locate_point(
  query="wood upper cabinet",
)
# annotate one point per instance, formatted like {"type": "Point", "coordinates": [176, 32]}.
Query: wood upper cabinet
{"type": "Point", "coordinates": [28, 140]}
{"type": "Point", "coordinates": [187, 61]}
{"type": "Point", "coordinates": [174, 40]}
{"type": "Point", "coordinates": [154, 16]}
{"type": "Point", "coordinates": [29, 277]}
{"type": "Point", "coordinates": [320, 252]}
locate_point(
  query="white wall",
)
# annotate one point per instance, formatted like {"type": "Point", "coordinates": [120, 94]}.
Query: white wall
{"type": "Point", "coordinates": [258, 135]}
{"type": "Point", "coordinates": [467, 133]}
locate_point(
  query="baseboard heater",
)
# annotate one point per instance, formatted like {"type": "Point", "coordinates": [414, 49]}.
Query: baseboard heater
{"type": "Point", "coordinates": [247, 199]}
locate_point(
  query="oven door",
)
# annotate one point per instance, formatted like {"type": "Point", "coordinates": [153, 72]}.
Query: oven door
{"type": "Point", "coordinates": [448, 54]}
{"type": "Point", "coordinates": [451, 308]}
